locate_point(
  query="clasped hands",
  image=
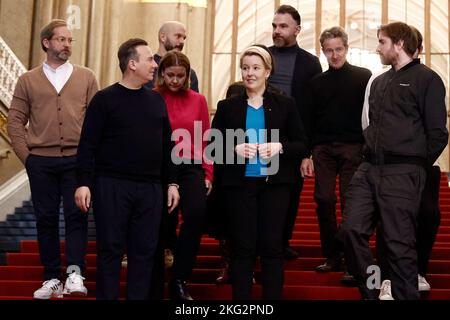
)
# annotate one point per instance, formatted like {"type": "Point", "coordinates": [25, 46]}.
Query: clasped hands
{"type": "Point", "coordinates": [266, 150]}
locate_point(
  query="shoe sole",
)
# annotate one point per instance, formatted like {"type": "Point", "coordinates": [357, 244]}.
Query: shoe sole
{"type": "Point", "coordinates": [52, 296]}
{"type": "Point", "coordinates": [386, 299]}
{"type": "Point", "coordinates": [75, 293]}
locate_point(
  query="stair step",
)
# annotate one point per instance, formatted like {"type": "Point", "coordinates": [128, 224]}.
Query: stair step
{"type": "Point", "coordinates": [33, 232]}
{"type": "Point", "coordinates": [306, 205]}
{"type": "Point", "coordinates": [208, 276]}
{"type": "Point", "coordinates": [32, 224]}
{"type": "Point", "coordinates": [208, 249]}
{"type": "Point", "coordinates": [213, 292]}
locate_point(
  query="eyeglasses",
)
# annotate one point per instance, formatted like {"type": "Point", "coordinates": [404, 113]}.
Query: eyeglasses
{"type": "Point", "coordinates": [63, 40]}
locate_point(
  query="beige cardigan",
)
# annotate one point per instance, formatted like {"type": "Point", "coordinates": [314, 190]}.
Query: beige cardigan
{"type": "Point", "coordinates": [55, 120]}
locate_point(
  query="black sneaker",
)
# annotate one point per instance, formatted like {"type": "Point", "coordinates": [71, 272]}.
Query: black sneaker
{"type": "Point", "coordinates": [330, 265]}
{"type": "Point", "coordinates": [290, 254]}
{"type": "Point", "coordinates": [348, 280]}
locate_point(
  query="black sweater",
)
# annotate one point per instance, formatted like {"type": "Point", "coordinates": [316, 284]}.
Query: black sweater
{"type": "Point", "coordinates": [334, 105]}
{"type": "Point", "coordinates": [126, 134]}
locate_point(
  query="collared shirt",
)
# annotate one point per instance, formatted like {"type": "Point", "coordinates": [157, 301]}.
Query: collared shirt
{"type": "Point", "coordinates": [59, 76]}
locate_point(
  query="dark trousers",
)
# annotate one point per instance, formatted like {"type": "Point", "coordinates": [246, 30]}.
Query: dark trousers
{"type": "Point", "coordinates": [428, 221]}
{"type": "Point", "coordinates": [191, 179]}
{"type": "Point", "coordinates": [389, 195]}
{"type": "Point", "coordinates": [157, 281]}
{"type": "Point", "coordinates": [193, 210]}
{"type": "Point", "coordinates": [170, 224]}
{"type": "Point", "coordinates": [332, 160]}
{"type": "Point", "coordinates": [294, 201]}
{"type": "Point", "coordinates": [50, 179]}
{"type": "Point", "coordinates": [257, 212]}
{"type": "Point", "coordinates": [127, 216]}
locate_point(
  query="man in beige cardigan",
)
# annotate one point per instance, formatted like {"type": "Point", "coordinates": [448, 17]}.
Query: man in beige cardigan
{"type": "Point", "coordinates": [52, 99]}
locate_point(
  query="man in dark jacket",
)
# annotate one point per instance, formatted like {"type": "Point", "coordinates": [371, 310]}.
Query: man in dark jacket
{"type": "Point", "coordinates": [333, 122]}
{"type": "Point", "coordinates": [294, 67]}
{"type": "Point", "coordinates": [407, 132]}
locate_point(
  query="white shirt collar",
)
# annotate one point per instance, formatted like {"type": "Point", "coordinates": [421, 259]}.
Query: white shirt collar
{"type": "Point", "coordinates": [59, 76]}
{"type": "Point", "coordinates": [62, 68]}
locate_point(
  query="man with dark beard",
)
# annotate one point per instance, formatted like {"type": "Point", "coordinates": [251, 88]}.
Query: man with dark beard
{"type": "Point", "coordinates": [171, 36]}
{"type": "Point", "coordinates": [407, 132]}
{"type": "Point", "coordinates": [53, 98]}
{"type": "Point", "coordinates": [294, 67]}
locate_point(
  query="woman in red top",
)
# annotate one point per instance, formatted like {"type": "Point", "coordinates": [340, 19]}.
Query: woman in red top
{"type": "Point", "coordinates": [189, 118]}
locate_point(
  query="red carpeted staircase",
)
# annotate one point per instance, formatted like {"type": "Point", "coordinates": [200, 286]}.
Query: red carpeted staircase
{"type": "Point", "coordinates": [22, 273]}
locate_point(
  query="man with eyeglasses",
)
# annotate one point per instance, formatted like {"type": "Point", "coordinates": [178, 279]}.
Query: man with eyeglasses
{"type": "Point", "coordinates": [52, 98]}
{"type": "Point", "coordinates": [333, 124]}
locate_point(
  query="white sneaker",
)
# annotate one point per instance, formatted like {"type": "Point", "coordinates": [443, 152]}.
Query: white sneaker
{"type": "Point", "coordinates": [50, 289]}
{"type": "Point", "coordinates": [74, 285]}
{"type": "Point", "coordinates": [423, 284]}
{"type": "Point", "coordinates": [385, 291]}
{"type": "Point", "coordinates": [125, 261]}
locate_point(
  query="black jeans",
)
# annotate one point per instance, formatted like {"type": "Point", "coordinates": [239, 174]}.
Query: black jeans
{"type": "Point", "coordinates": [294, 202]}
{"type": "Point", "coordinates": [257, 212]}
{"type": "Point", "coordinates": [50, 179]}
{"type": "Point", "coordinates": [185, 246]}
{"type": "Point", "coordinates": [389, 195]}
{"type": "Point", "coordinates": [127, 215]}
{"type": "Point", "coordinates": [191, 179]}
{"type": "Point", "coordinates": [332, 160]}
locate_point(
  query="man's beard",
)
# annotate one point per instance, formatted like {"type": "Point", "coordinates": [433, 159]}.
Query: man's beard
{"type": "Point", "coordinates": [387, 60]}
{"type": "Point", "coordinates": [63, 55]}
{"type": "Point", "coordinates": [168, 46]}
{"type": "Point", "coordinates": [279, 41]}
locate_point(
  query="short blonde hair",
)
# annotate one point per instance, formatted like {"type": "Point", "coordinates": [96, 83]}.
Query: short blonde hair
{"type": "Point", "coordinates": [262, 52]}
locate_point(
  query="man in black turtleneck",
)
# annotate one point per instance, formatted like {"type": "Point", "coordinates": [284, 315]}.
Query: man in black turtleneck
{"type": "Point", "coordinates": [333, 124]}
{"type": "Point", "coordinates": [293, 68]}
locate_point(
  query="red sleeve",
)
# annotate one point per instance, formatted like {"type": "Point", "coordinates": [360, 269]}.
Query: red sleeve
{"type": "Point", "coordinates": [204, 117]}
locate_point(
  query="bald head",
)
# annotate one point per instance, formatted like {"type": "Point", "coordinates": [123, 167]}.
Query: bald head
{"type": "Point", "coordinates": [171, 36]}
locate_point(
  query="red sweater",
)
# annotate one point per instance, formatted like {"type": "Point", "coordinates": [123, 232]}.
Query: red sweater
{"type": "Point", "coordinates": [188, 110]}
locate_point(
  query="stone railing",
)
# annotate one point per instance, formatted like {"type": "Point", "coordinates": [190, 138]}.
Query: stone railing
{"type": "Point", "coordinates": [10, 70]}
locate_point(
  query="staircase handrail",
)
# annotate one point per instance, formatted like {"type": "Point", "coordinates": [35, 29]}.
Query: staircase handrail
{"type": "Point", "coordinates": [10, 70]}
